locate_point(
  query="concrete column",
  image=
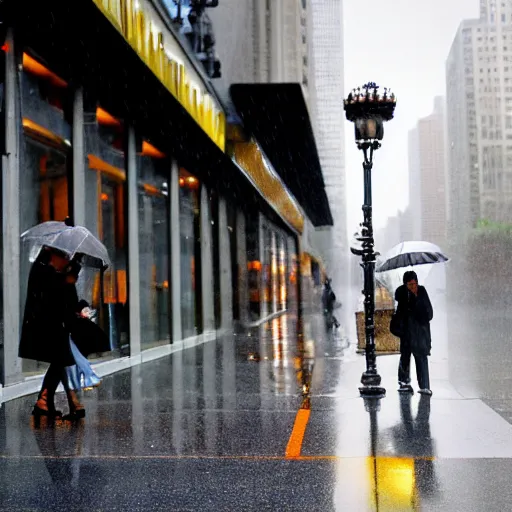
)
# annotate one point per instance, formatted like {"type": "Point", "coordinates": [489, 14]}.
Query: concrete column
{"type": "Point", "coordinates": [175, 252]}
{"type": "Point", "coordinates": [133, 245]}
{"type": "Point", "coordinates": [11, 219]}
{"type": "Point", "coordinates": [79, 199]}
{"type": "Point", "coordinates": [243, 285]}
{"type": "Point", "coordinates": [276, 41]}
{"type": "Point", "coordinates": [226, 298]}
{"type": "Point", "coordinates": [207, 263]}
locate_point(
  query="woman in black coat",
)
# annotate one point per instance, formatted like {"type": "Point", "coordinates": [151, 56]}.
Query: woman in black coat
{"type": "Point", "coordinates": [415, 312]}
{"type": "Point", "coordinates": [46, 325]}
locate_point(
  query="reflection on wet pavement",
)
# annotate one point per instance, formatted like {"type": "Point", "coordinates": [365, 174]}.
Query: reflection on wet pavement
{"type": "Point", "coordinates": [269, 418]}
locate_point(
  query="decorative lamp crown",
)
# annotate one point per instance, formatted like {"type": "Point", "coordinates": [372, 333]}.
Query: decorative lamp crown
{"type": "Point", "coordinates": [368, 109]}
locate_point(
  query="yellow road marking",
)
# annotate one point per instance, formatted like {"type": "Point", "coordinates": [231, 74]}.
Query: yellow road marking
{"type": "Point", "coordinates": [294, 446]}
{"type": "Point", "coordinates": [190, 457]}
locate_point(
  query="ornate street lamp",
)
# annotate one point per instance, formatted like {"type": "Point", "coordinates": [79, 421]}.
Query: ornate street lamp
{"type": "Point", "coordinates": [368, 109]}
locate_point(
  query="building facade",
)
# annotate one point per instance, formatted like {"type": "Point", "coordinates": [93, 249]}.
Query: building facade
{"type": "Point", "coordinates": [120, 129]}
{"type": "Point", "coordinates": [296, 41]}
{"type": "Point", "coordinates": [326, 95]}
{"type": "Point", "coordinates": [415, 197]}
{"type": "Point", "coordinates": [427, 176]}
{"type": "Point", "coordinates": [479, 124]}
{"type": "Point", "coordinates": [262, 41]}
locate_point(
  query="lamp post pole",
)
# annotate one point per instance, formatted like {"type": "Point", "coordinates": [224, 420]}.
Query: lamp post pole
{"type": "Point", "coordinates": [370, 379]}
{"type": "Point", "coordinates": [368, 110]}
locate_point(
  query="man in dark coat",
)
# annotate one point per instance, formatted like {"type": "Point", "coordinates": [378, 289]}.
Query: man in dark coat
{"type": "Point", "coordinates": [415, 313]}
{"type": "Point", "coordinates": [46, 324]}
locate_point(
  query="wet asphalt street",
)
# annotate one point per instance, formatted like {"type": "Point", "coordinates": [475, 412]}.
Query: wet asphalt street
{"type": "Point", "coordinates": [271, 419]}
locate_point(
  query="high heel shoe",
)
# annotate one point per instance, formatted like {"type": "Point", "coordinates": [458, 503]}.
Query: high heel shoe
{"type": "Point", "coordinates": [42, 407]}
{"type": "Point", "coordinates": [75, 415]}
{"type": "Point", "coordinates": [76, 409]}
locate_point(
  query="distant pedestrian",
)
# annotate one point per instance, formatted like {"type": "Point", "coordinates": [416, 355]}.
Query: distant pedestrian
{"type": "Point", "coordinates": [328, 303]}
{"type": "Point", "coordinates": [414, 313]}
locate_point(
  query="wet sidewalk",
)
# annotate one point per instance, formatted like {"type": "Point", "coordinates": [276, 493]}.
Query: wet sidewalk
{"type": "Point", "coordinates": [269, 419]}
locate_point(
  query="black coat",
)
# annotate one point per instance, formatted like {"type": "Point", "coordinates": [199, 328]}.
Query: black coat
{"type": "Point", "coordinates": [48, 316]}
{"type": "Point", "coordinates": [415, 314]}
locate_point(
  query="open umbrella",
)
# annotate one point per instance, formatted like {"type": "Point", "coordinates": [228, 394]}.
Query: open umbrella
{"type": "Point", "coordinates": [410, 254]}
{"type": "Point", "coordinates": [72, 240]}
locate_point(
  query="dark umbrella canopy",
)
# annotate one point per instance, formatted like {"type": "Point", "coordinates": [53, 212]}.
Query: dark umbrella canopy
{"type": "Point", "coordinates": [411, 254]}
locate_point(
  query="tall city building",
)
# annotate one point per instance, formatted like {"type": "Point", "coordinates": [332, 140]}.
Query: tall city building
{"type": "Point", "coordinates": [427, 177]}
{"type": "Point", "coordinates": [299, 41]}
{"type": "Point", "coordinates": [326, 106]}
{"type": "Point", "coordinates": [261, 41]}
{"type": "Point", "coordinates": [414, 183]}
{"type": "Point", "coordinates": [479, 120]}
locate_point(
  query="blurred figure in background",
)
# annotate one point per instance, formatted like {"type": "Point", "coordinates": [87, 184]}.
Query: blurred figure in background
{"type": "Point", "coordinates": [328, 303]}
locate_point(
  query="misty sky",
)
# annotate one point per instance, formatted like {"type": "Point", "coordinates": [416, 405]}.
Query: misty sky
{"type": "Point", "coordinates": [402, 44]}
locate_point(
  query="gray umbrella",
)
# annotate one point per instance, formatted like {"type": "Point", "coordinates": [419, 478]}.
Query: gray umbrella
{"type": "Point", "coordinates": [410, 254]}
{"type": "Point", "coordinates": [72, 240]}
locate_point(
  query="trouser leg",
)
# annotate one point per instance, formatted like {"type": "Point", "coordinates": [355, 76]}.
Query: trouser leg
{"type": "Point", "coordinates": [404, 367]}
{"type": "Point", "coordinates": [422, 371]}
{"type": "Point", "coordinates": [50, 383]}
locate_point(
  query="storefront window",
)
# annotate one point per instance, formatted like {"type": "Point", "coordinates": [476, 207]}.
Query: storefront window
{"type": "Point", "coordinates": [267, 271]}
{"type": "Point", "coordinates": [106, 216]}
{"type": "Point", "coordinates": [232, 230]}
{"type": "Point", "coordinates": [44, 160]}
{"type": "Point", "coordinates": [154, 245]}
{"type": "Point", "coordinates": [214, 215]}
{"type": "Point", "coordinates": [283, 289]}
{"type": "Point", "coordinates": [190, 246]}
{"type": "Point", "coordinates": [293, 267]}
{"type": "Point", "coordinates": [254, 266]}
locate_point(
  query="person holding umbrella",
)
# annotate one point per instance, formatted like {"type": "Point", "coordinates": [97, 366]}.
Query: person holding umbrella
{"type": "Point", "coordinates": [411, 321]}
{"type": "Point", "coordinates": [52, 310]}
{"type": "Point", "coordinates": [46, 325]}
{"type": "Point", "coordinates": [413, 314]}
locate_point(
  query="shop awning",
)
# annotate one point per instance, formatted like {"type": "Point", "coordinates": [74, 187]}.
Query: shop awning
{"type": "Point", "coordinates": [277, 116]}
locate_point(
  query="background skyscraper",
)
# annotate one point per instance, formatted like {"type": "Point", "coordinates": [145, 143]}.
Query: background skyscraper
{"type": "Point", "coordinates": [427, 176]}
{"type": "Point", "coordinates": [261, 41]}
{"type": "Point", "coordinates": [479, 120]}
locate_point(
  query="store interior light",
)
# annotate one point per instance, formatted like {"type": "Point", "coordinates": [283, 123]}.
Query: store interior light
{"type": "Point", "coordinates": [150, 150]}
{"type": "Point", "coordinates": [105, 119]}
{"type": "Point", "coordinates": [34, 67]}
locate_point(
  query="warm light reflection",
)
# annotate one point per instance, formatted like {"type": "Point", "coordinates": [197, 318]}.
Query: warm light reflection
{"type": "Point", "coordinates": [105, 119]}
{"type": "Point", "coordinates": [284, 339]}
{"type": "Point", "coordinates": [186, 179]}
{"type": "Point", "coordinates": [34, 67]}
{"type": "Point", "coordinates": [395, 483]}
{"type": "Point", "coordinates": [39, 131]}
{"type": "Point", "coordinates": [276, 342]}
{"type": "Point", "coordinates": [254, 265]}
{"type": "Point", "coordinates": [150, 150]}
{"type": "Point", "coordinates": [104, 197]}
{"type": "Point", "coordinates": [151, 190]}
